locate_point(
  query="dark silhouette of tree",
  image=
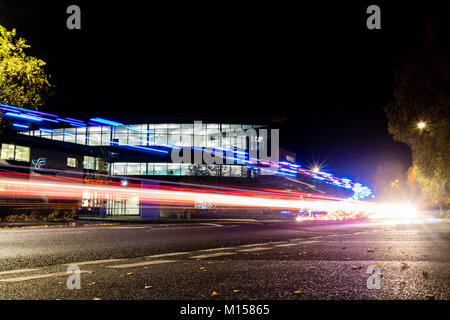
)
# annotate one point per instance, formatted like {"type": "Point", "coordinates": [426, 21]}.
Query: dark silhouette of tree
{"type": "Point", "coordinates": [422, 96]}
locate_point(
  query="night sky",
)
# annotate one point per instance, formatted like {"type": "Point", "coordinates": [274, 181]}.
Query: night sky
{"type": "Point", "coordinates": [318, 67]}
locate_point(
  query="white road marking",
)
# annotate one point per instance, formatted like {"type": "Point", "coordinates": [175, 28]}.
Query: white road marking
{"type": "Point", "coordinates": [254, 249]}
{"type": "Point", "coordinates": [82, 263]}
{"type": "Point", "coordinates": [17, 271]}
{"type": "Point", "coordinates": [211, 255]}
{"type": "Point", "coordinates": [253, 245]}
{"type": "Point", "coordinates": [287, 244]}
{"type": "Point", "coordinates": [170, 254]}
{"type": "Point", "coordinates": [212, 224]}
{"type": "Point", "coordinates": [140, 264]}
{"type": "Point", "coordinates": [132, 227]}
{"type": "Point", "coordinates": [216, 249]}
{"type": "Point", "coordinates": [40, 276]}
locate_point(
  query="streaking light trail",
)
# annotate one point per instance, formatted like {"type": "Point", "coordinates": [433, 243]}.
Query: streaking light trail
{"type": "Point", "coordinates": [68, 189]}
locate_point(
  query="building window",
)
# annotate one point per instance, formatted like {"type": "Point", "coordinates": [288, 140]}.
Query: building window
{"type": "Point", "coordinates": [22, 153]}
{"type": "Point", "coordinates": [13, 152]}
{"type": "Point", "coordinates": [7, 151]}
{"type": "Point", "coordinates": [89, 163]}
{"type": "Point", "coordinates": [71, 162]}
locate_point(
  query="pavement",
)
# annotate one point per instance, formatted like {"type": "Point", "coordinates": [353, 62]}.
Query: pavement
{"type": "Point", "coordinates": [229, 260]}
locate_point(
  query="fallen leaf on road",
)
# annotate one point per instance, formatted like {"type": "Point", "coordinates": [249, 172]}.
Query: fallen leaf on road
{"type": "Point", "coordinates": [214, 293]}
{"type": "Point", "coordinates": [91, 283]}
{"type": "Point", "coordinates": [376, 264]}
{"type": "Point", "coordinates": [347, 259]}
{"type": "Point", "coordinates": [370, 250]}
{"type": "Point", "coordinates": [312, 268]}
{"type": "Point", "coordinates": [298, 292]}
{"type": "Point", "coordinates": [356, 267]}
{"type": "Point", "coordinates": [236, 291]}
{"type": "Point", "coordinates": [130, 273]}
{"type": "Point", "coordinates": [148, 287]}
{"type": "Point", "coordinates": [429, 296]}
{"type": "Point", "coordinates": [96, 298]}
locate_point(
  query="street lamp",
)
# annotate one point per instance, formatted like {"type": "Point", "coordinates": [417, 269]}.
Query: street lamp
{"type": "Point", "coordinates": [421, 125]}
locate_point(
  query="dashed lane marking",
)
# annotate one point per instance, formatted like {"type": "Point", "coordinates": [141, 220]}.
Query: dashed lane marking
{"type": "Point", "coordinates": [140, 264]}
{"type": "Point", "coordinates": [211, 255]}
{"type": "Point", "coordinates": [170, 254]}
{"type": "Point", "coordinates": [252, 245]}
{"type": "Point", "coordinates": [82, 263]}
{"type": "Point", "coordinates": [40, 276]}
{"type": "Point", "coordinates": [287, 244]}
{"type": "Point", "coordinates": [216, 249]}
{"type": "Point", "coordinates": [17, 271]}
{"type": "Point", "coordinates": [212, 224]}
{"type": "Point", "coordinates": [254, 249]}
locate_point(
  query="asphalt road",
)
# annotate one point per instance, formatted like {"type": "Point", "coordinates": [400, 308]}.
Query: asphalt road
{"type": "Point", "coordinates": [253, 260]}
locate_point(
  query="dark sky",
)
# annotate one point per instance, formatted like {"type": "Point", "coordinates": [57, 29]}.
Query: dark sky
{"type": "Point", "coordinates": [317, 66]}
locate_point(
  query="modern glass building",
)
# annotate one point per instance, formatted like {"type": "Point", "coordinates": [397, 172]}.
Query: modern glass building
{"type": "Point", "coordinates": [151, 139]}
{"type": "Point", "coordinates": [45, 144]}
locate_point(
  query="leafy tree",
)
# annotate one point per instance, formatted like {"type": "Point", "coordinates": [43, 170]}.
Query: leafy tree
{"type": "Point", "coordinates": [203, 170]}
{"type": "Point", "coordinates": [23, 81]}
{"type": "Point", "coordinates": [422, 95]}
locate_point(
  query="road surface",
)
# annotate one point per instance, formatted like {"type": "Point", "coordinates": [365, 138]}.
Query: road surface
{"type": "Point", "coordinates": [229, 260]}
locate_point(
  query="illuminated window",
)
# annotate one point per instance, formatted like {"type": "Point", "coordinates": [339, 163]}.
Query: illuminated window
{"type": "Point", "coordinates": [71, 162]}
{"type": "Point", "coordinates": [95, 136]}
{"type": "Point", "coordinates": [236, 171]}
{"type": "Point", "coordinates": [133, 169]}
{"type": "Point", "coordinates": [119, 168]}
{"type": "Point", "coordinates": [69, 135]}
{"type": "Point", "coordinates": [7, 151]}
{"type": "Point", "coordinates": [106, 136]}
{"type": "Point", "coordinates": [89, 163]}
{"type": "Point", "coordinates": [173, 169]}
{"type": "Point", "coordinates": [58, 134]}
{"type": "Point", "coordinates": [121, 135]}
{"type": "Point", "coordinates": [22, 153]}
{"type": "Point", "coordinates": [160, 169]}
{"type": "Point", "coordinates": [81, 136]}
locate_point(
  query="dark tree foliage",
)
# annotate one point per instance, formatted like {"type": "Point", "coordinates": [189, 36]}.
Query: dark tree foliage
{"type": "Point", "coordinates": [422, 95]}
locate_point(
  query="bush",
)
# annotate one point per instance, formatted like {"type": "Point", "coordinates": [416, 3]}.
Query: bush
{"type": "Point", "coordinates": [55, 215]}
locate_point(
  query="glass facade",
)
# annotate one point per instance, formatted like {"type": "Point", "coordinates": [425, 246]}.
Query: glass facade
{"type": "Point", "coordinates": [209, 135]}
{"type": "Point", "coordinates": [198, 135]}
{"type": "Point", "coordinates": [176, 169]}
